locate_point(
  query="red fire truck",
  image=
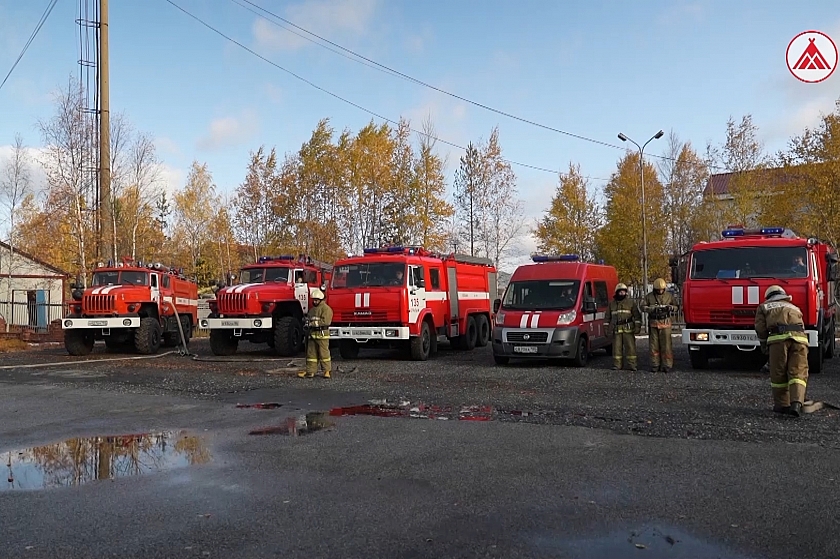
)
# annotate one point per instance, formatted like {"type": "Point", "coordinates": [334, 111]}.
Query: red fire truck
{"type": "Point", "coordinates": [131, 305]}
{"type": "Point", "coordinates": [267, 305]}
{"type": "Point", "coordinates": [407, 297]}
{"type": "Point", "coordinates": [724, 281]}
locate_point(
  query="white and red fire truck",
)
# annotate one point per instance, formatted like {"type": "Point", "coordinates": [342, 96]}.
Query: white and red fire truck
{"type": "Point", "coordinates": [267, 305]}
{"type": "Point", "coordinates": [724, 281]}
{"type": "Point", "coordinates": [408, 297]}
{"type": "Point", "coordinates": [131, 305]}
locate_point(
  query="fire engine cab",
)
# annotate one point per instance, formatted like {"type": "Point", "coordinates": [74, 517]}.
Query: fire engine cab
{"type": "Point", "coordinates": [554, 308]}
{"type": "Point", "coordinates": [267, 305]}
{"type": "Point", "coordinates": [131, 305]}
{"type": "Point", "coordinates": [723, 283]}
{"type": "Point", "coordinates": [408, 297]}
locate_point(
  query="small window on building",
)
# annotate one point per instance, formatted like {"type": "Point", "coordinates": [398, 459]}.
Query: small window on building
{"type": "Point", "coordinates": [434, 278]}
{"type": "Point", "coordinates": [602, 296]}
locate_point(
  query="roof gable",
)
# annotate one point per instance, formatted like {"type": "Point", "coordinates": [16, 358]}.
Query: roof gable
{"type": "Point", "coordinates": [48, 266]}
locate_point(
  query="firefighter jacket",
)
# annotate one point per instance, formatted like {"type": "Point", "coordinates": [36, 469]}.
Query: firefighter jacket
{"type": "Point", "coordinates": [623, 316]}
{"type": "Point", "coordinates": [777, 320]}
{"type": "Point", "coordinates": [319, 319]}
{"type": "Point", "coordinates": [659, 309]}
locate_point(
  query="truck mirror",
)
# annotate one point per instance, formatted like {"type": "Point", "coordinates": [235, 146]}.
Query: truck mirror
{"type": "Point", "coordinates": [673, 262]}
{"type": "Point", "coordinates": [497, 304]}
{"type": "Point", "coordinates": [324, 287]}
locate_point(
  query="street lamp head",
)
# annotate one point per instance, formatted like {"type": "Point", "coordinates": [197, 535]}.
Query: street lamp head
{"type": "Point", "coordinates": [659, 134]}
{"type": "Point", "coordinates": [622, 137]}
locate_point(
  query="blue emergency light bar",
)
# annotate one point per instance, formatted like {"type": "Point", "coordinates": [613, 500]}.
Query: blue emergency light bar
{"type": "Point", "coordinates": [391, 250]}
{"type": "Point", "coordinates": [555, 258]}
{"type": "Point", "coordinates": [264, 259]}
{"type": "Point", "coordinates": [740, 232]}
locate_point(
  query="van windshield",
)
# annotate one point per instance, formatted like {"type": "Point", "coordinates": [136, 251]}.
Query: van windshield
{"type": "Point", "coordinates": [541, 295]}
{"type": "Point", "coordinates": [750, 262]}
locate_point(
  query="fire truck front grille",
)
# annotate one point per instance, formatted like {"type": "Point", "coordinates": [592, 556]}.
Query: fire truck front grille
{"type": "Point", "coordinates": [231, 303]}
{"type": "Point", "coordinates": [364, 316]}
{"type": "Point", "coordinates": [98, 304]}
{"type": "Point", "coordinates": [721, 317]}
{"type": "Point", "coordinates": [533, 337]}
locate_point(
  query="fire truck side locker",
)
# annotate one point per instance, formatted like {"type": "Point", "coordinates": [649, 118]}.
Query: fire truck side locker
{"type": "Point", "coordinates": [452, 285]}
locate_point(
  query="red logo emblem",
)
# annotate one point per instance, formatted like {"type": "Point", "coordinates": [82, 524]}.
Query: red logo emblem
{"type": "Point", "coordinates": [812, 56]}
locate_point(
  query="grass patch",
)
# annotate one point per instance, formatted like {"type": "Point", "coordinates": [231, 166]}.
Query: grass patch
{"type": "Point", "coordinates": [8, 345]}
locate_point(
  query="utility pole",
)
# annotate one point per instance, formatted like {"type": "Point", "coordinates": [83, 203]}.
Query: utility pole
{"type": "Point", "coordinates": [106, 224]}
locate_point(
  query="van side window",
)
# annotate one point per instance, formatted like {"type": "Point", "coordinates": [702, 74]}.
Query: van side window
{"type": "Point", "coordinates": [602, 296]}
{"type": "Point", "coordinates": [587, 291]}
{"type": "Point", "coordinates": [434, 278]}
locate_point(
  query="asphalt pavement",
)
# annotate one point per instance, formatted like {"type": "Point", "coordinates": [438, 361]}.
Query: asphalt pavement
{"type": "Point", "coordinates": [454, 457]}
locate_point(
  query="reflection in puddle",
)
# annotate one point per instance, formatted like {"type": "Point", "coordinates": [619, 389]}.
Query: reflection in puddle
{"type": "Point", "coordinates": [647, 543]}
{"type": "Point", "coordinates": [420, 410]}
{"type": "Point", "coordinates": [297, 426]}
{"type": "Point", "coordinates": [82, 460]}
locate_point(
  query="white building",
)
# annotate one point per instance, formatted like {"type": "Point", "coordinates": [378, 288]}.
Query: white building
{"type": "Point", "coordinates": [32, 292]}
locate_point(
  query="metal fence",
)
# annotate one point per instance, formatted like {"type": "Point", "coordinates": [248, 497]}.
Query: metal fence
{"type": "Point", "coordinates": [30, 315]}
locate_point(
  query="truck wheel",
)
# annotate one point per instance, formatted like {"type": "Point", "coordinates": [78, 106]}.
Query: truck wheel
{"type": "Point", "coordinates": [288, 336]}
{"type": "Point", "coordinates": [78, 342]}
{"type": "Point", "coordinates": [815, 360]}
{"type": "Point", "coordinates": [501, 359]}
{"type": "Point", "coordinates": [471, 337]}
{"type": "Point", "coordinates": [699, 359]}
{"type": "Point", "coordinates": [147, 338]}
{"type": "Point", "coordinates": [483, 331]}
{"type": "Point", "coordinates": [223, 343]}
{"type": "Point", "coordinates": [831, 350]}
{"type": "Point", "coordinates": [421, 346]}
{"type": "Point", "coordinates": [348, 349]}
{"type": "Point", "coordinates": [582, 356]}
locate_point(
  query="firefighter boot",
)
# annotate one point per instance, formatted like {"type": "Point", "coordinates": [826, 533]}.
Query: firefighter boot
{"type": "Point", "coordinates": [795, 409]}
{"type": "Point", "coordinates": [784, 410]}
{"type": "Point", "coordinates": [304, 374]}
{"type": "Point", "coordinates": [327, 374]}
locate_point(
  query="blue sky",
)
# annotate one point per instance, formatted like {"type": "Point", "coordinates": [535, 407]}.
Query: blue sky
{"type": "Point", "coordinates": [591, 68]}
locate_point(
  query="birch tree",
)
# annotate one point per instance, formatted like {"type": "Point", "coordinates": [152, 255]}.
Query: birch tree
{"type": "Point", "coordinates": [194, 208]}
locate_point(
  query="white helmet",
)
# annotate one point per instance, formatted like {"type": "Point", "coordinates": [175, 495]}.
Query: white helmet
{"type": "Point", "coordinates": [317, 294]}
{"type": "Point", "coordinates": [774, 291]}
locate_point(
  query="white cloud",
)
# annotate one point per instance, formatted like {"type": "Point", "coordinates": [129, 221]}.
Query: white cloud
{"type": "Point", "coordinates": [172, 179]}
{"type": "Point", "coordinates": [229, 131]}
{"type": "Point", "coordinates": [167, 146]}
{"type": "Point", "coordinates": [327, 18]}
{"type": "Point", "coordinates": [36, 171]}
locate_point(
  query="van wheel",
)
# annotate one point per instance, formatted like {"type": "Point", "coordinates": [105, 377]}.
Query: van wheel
{"type": "Point", "coordinates": [483, 331]}
{"type": "Point", "coordinates": [501, 359]}
{"type": "Point", "coordinates": [608, 349]}
{"type": "Point", "coordinates": [582, 355]}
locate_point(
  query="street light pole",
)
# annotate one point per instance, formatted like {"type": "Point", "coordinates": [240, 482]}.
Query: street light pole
{"type": "Point", "coordinates": [624, 138]}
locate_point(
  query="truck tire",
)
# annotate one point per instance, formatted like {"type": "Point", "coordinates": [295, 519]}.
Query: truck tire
{"type": "Point", "coordinates": [348, 349]}
{"type": "Point", "coordinates": [483, 331]}
{"type": "Point", "coordinates": [831, 349]}
{"type": "Point", "coordinates": [421, 346]}
{"type": "Point", "coordinates": [288, 336]}
{"type": "Point", "coordinates": [699, 359]}
{"type": "Point", "coordinates": [471, 336]}
{"type": "Point", "coordinates": [501, 359]}
{"type": "Point", "coordinates": [815, 360]}
{"type": "Point", "coordinates": [78, 342]}
{"type": "Point", "coordinates": [223, 343]}
{"type": "Point", "coordinates": [173, 339]}
{"type": "Point", "coordinates": [582, 354]}
{"type": "Point", "coordinates": [148, 337]}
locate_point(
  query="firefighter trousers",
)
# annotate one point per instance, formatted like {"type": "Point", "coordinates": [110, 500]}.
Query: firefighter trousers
{"type": "Point", "coordinates": [788, 371]}
{"type": "Point", "coordinates": [318, 353]}
{"type": "Point", "coordinates": [661, 349]}
{"type": "Point", "coordinates": [624, 346]}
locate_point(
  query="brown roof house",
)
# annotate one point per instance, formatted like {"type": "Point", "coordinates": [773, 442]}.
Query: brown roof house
{"type": "Point", "coordinates": [32, 292]}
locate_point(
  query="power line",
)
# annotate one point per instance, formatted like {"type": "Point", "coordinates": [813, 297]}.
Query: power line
{"type": "Point", "coordinates": [347, 101]}
{"type": "Point", "coordinates": [38, 27]}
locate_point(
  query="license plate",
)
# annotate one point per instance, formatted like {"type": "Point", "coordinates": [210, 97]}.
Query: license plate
{"type": "Point", "coordinates": [743, 337]}
{"type": "Point", "coordinates": [525, 349]}
{"type": "Point", "coordinates": [363, 333]}
{"type": "Point", "coordinates": [230, 323]}
{"type": "Point", "coordinates": [97, 323]}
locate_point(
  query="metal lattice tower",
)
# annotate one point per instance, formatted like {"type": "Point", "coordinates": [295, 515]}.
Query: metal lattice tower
{"type": "Point", "coordinates": [88, 23]}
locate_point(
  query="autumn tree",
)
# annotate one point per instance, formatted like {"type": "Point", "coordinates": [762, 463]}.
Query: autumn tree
{"type": "Point", "coordinates": [254, 221]}
{"type": "Point", "coordinates": [431, 210]}
{"type": "Point", "coordinates": [620, 240]}
{"type": "Point", "coordinates": [684, 176]}
{"type": "Point", "coordinates": [469, 195]}
{"type": "Point", "coordinates": [570, 223]}
{"type": "Point", "coordinates": [194, 208]}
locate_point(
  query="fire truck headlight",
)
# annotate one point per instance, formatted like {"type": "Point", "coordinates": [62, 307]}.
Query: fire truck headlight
{"type": "Point", "coordinates": [566, 317]}
{"type": "Point", "coordinates": [77, 294]}
{"type": "Point", "coordinates": [68, 323]}
{"type": "Point", "coordinates": [127, 322]}
{"type": "Point", "coordinates": [391, 333]}
{"type": "Point", "coordinates": [257, 323]}
{"type": "Point", "coordinates": [700, 336]}
{"type": "Point", "coordinates": [131, 308]}
{"type": "Point", "coordinates": [267, 307]}
{"type": "Point", "coordinates": [204, 323]}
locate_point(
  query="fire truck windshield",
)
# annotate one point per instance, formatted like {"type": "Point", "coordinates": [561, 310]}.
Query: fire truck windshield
{"type": "Point", "coordinates": [260, 275]}
{"type": "Point", "coordinates": [541, 294]}
{"type": "Point", "coordinates": [375, 274]}
{"type": "Point", "coordinates": [120, 278]}
{"type": "Point", "coordinates": [750, 262]}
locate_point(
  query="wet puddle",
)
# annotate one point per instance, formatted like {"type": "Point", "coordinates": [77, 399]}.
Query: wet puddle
{"type": "Point", "coordinates": [427, 411]}
{"type": "Point", "coordinates": [295, 426]}
{"type": "Point", "coordinates": [83, 460]}
{"type": "Point", "coordinates": [648, 543]}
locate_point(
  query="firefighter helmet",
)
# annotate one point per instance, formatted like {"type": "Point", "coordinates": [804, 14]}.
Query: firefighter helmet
{"type": "Point", "coordinates": [620, 287]}
{"type": "Point", "coordinates": [659, 283]}
{"type": "Point", "coordinates": [317, 294]}
{"type": "Point", "coordinates": [774, 290]}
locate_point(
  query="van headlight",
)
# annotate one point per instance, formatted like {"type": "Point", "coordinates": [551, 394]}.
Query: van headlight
{"type": "Point", "coordinates": [500, 319]}
{"type": "Point", "coordinates": [566, 317]}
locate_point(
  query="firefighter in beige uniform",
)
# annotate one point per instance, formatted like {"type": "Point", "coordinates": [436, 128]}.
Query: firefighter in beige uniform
{"type": "Point", "coordinates": [318, 319]}
{"type": "Point", "coordinates": [781, 332]}
{"type": "Point", "coordinates": [624, 320]}
{"type": "Point", "coordinates": [659, 305]}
